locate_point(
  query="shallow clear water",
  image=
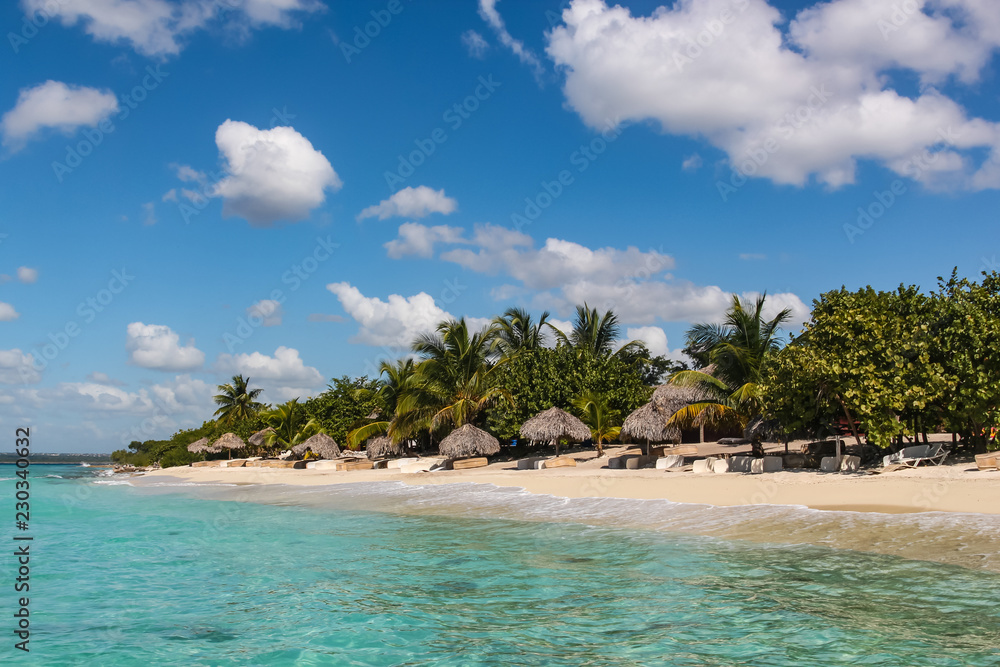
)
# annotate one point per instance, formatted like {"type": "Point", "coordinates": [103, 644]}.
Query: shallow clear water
{"type": "Point", "coordinates": [158, 576]}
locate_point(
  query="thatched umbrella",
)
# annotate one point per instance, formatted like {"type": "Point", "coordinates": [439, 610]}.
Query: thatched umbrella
{"type": "Point", "coordinates": [198, 446]}
{"type": "Point", "coordinates": [671, 397]}
{"type": "Point", "coordinates": [649, 423]}
{"type": "Point", "coordinates": [552, 424]}
{"type": "Point", "coordinates": [381, 447]}
{"type": "Point", "coordinates": [321, 445]}
{"type": "Point", "coordinates": [259, 439]}
{"type": "Point", "coordinates": [229, 441]}
{"type": "Point", "coordinates": [468, 441]}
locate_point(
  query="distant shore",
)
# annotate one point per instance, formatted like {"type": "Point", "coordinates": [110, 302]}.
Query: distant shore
{"type": "Point", "coordinates": [947, 488]}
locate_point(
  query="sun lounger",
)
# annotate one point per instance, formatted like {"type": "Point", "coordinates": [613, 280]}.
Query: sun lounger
{"type": "Point", "coordinates": [913, 456]}
{"type": "Point", "coordinates": [464, 464]}
{"type": "Point", "coordinates": [668, 462]}
{"type": "Point", "coordinates": [988, 461]}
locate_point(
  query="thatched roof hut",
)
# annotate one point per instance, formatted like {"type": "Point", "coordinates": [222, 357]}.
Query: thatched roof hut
{"type": "Point", "coordinates": [228, 441]}
{"type": "Point", "coordinates": [320, 444]}
{"type": "Point", "coordinates": [468, 441]}
{"type": "Point", "coordinates": [649, 424]}
{"type": "Point", "coordinates": [552, 424]}
{"type": "Point", "coordinates": [259, 438]}
{"type": "Point", "coordinates": [198, 446]}
{"type": "Point", "coordinates": [381, 447]}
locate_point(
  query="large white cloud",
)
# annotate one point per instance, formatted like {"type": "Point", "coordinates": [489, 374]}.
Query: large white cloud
{"type": "Point", "coordinates": [55, 105]}
{"type": "Point", "coordinates": [654, 338]}
{"type": "Point", "coordinates": [811, 102]}
{"type": "Point", "coordinates": [157, 27]}
{"type": "Point", "coordinates": [272, 174]}
{"type": "Point", "coordinates": [410, 202]}
{"type": "Point", "coordinates": [156, 346]}
{"type": "Point", "coordinates": [286, 367]}
{"type": "Point", "coordinates": [393, 323]}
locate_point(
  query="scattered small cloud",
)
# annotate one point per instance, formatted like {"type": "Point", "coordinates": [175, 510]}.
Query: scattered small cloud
{"type": "Point", "coordinates": [156, 346]}
{"type": "Point", "coordinates": [475, 44]}
{"type": "Point", "coordinates": [489, 13]}
{"type": "Point", "coordinates": [149, 214]}
{"type": "Point", "coordinates": [7, 312]}
{"type": "Point", "coordinates": [27, 275]}
{"type": "Point", "coordinates": [104, 378]}
{"type": "Point", "coordinates": [268, 311]}
{"type": "Point", "coordinates": [55, 105]}
{"type": "Point", "coordinates": [411, 202]}
{"type": "Point", "coordinates": [692, 163]}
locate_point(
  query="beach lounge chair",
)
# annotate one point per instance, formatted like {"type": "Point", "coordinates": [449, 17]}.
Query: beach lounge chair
{"type": "Point", "coordinates": [913, 456]}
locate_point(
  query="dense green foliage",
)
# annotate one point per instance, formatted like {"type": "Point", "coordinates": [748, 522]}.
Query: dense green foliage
{"type": "Point", "coordinates": [897, 363]}
{"type": "Point", "coordinates": [344, 406]}
{"type": "Point", "coordinates": [236, 401]}
{"type": "Point", "coordinates": [546, 377]}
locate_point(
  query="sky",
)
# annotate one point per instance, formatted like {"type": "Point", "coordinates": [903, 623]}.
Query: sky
{"type": "Point", "coordinates": [294, 189]}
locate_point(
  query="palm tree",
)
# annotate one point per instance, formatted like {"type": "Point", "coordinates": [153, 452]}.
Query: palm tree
{"type": "Point", "coordinates": [291, 425]}
{"type": "Point", "coordinates": [605, 424]}
{"type": "Point", "coordinates": [452, 384]}
{"type": "Point", "coordinates": [593, 334]}
{"type": "Point", "coordinates": [236, 401]}
{"type": "Point", "coordinates": [398, 377]}
{"type": "Point", "coordinates": [517, 332]}
{"type": "Point", "coordinates": [739, 351]}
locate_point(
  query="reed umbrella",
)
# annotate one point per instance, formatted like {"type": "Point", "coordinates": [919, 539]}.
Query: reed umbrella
{"type": "Point", "coordinates": [198, 446]}
{"type": "Point", "coordinates": [320, 444]}
{"type": "Point", "coordinates": [229, 441]}
{"type": "Point", "coordinates": [467, 441]}
{"type": "Point", "coordinates": [649, 423]}
{"type": "Point", "coordinates": [381, 447]}
{"type": "Point", "coordinates": [552, 424]}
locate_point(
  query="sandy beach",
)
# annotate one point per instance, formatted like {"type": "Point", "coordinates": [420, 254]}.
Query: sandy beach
{"type": "Point", "coordinates": [952, 487]}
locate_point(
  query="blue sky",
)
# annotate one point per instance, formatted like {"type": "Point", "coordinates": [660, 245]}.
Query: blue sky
{"type": "Point", "coordinates": [171, 170]}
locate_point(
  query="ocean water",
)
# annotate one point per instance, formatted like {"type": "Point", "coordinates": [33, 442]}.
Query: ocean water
{"type": "Point", "coordinates": [381, 574]}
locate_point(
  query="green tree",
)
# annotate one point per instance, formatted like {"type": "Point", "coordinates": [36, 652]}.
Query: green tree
{"type": "Point", "coordinates": [394, 380]}
{"type": "Point", "coordinates": [593, 334]}
{"type": "Point", "coordinates": [739, 351]}
{"type": "Point", "coordinates": [292, 425]}
{"type": "Point", "coordinates": [236, 400]}
{"type": "Point", "coordinates": [605, 423]}
{"type": "Point", "coordinates": [453, 382]}
{"type": "Point", "coordinates": [347, 404]}
{"type": "Point", "coordinates": [516, 331]}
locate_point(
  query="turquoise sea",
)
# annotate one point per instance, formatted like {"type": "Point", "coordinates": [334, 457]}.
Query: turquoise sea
{"type": "Point", "coordinates": [381, 574]}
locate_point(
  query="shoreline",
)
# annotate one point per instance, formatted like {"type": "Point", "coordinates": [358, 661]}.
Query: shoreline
{"type": "Point", "coordinates": [955, 488]}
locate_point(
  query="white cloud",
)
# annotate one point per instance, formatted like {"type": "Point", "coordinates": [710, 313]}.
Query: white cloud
{"type": "Point", "coordinates": [272, 174]}
{"type": "Point", "coordinates": [157, 346]}
{"type": "Point", "coordinates": [654, 338]}
{"type": "Point", "coordinates": [692, 163]}
{"type": "Point", "coordinates": [411, 202]}
{"type": "Point", "coordinates": [419, 240]}
{"type": "Point", "coordinates": [787, 107]}
{"type": "Point", "coordinates": [27, 275]}
{"type": "Point", "coordinates": [563, 274]}
{"type": "Point", "coordinates": [395, 322]}
{"type": "Point", "coordinates": [157, 27]}
{"type": "Point", "coordinates": [149, 214]}
{"type": "Point", "coordinates": [180, 397]}
{"type": "Point", "coordinates": [189, 174]}
{"type": "Point", "coordinates": [8, 313]}
{"type": "Point", "coordinates": [268, 311]}
{"type": "Point", "coordinates": [104, 378]}
{"type": "Point", "coordinates": [489, 13]}
{"type": "Point", "coordinates": [475, 44]}
{"type": "Point", "coordinates": [55, 105]}
{"type": "Point", "coordinates": [170, 195]}
{"type": "Point", "coordinates": [17, 367]}
{"type": "Point", "coordinates": [284, 368]}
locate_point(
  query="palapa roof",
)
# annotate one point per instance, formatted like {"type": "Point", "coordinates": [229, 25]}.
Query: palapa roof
{"type": "Point", "coordinates": [257, 439]}
{"type": "Point", "coordinates": [381, 447]}
{"type": "Point", "coordinates": [468, 441]}
{"type": "Point", "coordinates": [229, 441]}
{"type": "Point", "coordinates": [649, 424]}
{"type": "Point", "coordinates": [198, 446]}
{"type": "Point", "coordinates": [553, 424]}
{"type": "Point", "coordinates": [321, 445]}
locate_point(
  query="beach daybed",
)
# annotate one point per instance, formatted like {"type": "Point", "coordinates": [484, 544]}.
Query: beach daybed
{"type": "Point", "coordinates": [913, 456]}
{"type": "Point", "coordinates": [988, 461]}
